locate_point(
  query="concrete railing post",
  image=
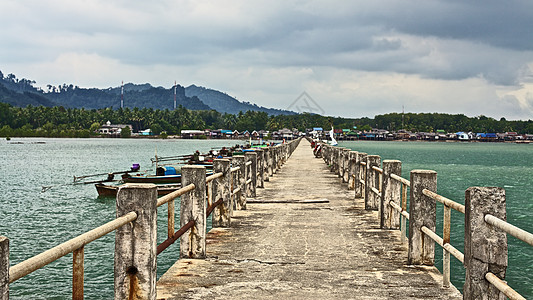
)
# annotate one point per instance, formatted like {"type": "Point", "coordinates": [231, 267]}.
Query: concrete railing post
{"type": "Point", "coordinates": [351, 169]}
{"type": "Point", "coordinates": [271, 152]}
{"type": "Point", "coordinates": [193, 207]}
{"type": "Point", "coordinates": [136, 242]}
{"type": "Point", "coordinates": [331, 158]}
{"type": "Point", "coordinates": [391, 192]}
{"type": "Point", "coordinates": [240, 197]}
{"type": "Point", "coordinates": [360, 174]}
{"type": "Point", "coordinates": [325, 157]}
{"type": "Point", "coordinates": [337, 162]}
{"type": "Point", "coordinates": [372, 181]}
{"type": "Point", "coordinates": [252, 170]}
{"type": "Point", "coordinates": [284, 153]}
{"type": "Point", "coordinates": [485, 245]}
{"type": "Point", "coordinates": [222, 189]}
{"type": "Point", "coordinates": [266, 164]}
{"type": "Point", "coordinates": [345, 161]}
{"type": "Point", "coordinates": [260, 168]}
{"type": "Point", "coordinates": [422, 212]}
{"type": "Point", "coordinates": [275, 157]}
{"type": "Point", "coordinates": [4, 268]}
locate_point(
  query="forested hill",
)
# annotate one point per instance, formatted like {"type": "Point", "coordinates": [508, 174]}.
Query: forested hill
{"type": "Point", "coordinates": [224, 103]}
{"type": "Point", "coordinates": [21, 92]}
{"type": "Point", "coordinates": [140, 96]}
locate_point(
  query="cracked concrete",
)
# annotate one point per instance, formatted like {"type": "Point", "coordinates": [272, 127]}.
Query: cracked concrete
{"type": "Point", "coordinates": [298, 249]}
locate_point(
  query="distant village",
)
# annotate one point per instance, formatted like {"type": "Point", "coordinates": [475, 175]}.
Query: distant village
{"type": "Point", "coordinates": [324, 134]}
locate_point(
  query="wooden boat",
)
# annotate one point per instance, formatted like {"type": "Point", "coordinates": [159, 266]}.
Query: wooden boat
{"type": "Point", "coordinates": [111, 190]}
{"type": "Point", "coordinates": [166, 178]}
{"type": "Point", "coordinates": [152, 178]}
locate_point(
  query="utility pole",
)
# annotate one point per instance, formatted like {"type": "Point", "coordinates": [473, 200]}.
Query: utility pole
{"type": "Point", "coordinates": [174, 94]}
{"type": "Point", "coordinates": [122, 95]}
{"type": "Point", "coordinates": [402, 116]}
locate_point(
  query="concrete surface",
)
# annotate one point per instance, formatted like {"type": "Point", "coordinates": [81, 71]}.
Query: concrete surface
{"type": "Point", "coordinates": [303, 250]}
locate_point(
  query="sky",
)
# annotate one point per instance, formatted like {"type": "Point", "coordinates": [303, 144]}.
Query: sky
{"type": "Point", "coordinates": [340, 58]}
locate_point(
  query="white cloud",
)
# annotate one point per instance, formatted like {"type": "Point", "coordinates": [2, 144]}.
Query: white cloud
{"type": "Point", "coordinates": [359, 58]}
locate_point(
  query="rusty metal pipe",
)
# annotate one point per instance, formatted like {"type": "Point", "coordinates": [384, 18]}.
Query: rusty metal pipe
{"type": "Point", "coordinates": [164, 245]}
{"type": "Point", "coordinates": [212, 207]}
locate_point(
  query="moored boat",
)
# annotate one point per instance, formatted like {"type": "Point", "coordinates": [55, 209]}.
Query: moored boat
{"type": "Point", "coordinates": [105, 190]}
{"type": "Point", "coordinates": [152, 178]}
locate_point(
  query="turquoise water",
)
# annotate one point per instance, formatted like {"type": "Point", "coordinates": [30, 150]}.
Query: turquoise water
{"type": "Point", "coordinates": [462, 165]}
{"type": "Point", "coordinates": [36, 221]}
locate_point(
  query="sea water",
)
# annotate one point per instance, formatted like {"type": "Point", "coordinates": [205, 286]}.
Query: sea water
{"type": "Point", "coordinates": [35, 221]}
{"type": "Point", "coordinates": [460, 165]}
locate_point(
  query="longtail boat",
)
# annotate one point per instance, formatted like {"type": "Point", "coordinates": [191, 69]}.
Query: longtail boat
{"type": "Point", "coordinates": [105, 190]}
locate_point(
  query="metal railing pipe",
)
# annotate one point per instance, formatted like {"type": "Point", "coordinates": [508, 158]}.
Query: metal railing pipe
{"type": "Point", "coordinates": [510, 229]}
{"type": "Point", "coordinates": [503, 287]}
{"type": "Point", "coordinates": [450, 203]}
{"type": "Point", "coordinates": [40, 260]}
{"type": "Point", "coordinates": [175, 194]}
{"type": "Point", "coordinates": [213, 177]}
{"type": "Point", "coordinates": [401, 179]}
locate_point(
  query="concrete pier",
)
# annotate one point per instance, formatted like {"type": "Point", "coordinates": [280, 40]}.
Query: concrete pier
{"type": "Point", "coordinates": [310, 239]}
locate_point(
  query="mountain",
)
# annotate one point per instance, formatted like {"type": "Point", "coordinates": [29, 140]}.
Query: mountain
{"type": "Point", "coordinates": [21, 92]}
{"type": "Point", "coordinates": [135, 95]}
{"type": "Point", "coordinates": [23, 98]}
{"type": "Point", "coordinates": [226, 104]}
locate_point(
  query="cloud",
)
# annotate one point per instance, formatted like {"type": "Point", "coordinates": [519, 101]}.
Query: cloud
{"type": "Point", "coordinates": [384, 53]}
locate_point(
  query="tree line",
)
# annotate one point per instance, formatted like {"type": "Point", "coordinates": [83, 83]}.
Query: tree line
{"type": "Point", "coordinates": [73, 122]}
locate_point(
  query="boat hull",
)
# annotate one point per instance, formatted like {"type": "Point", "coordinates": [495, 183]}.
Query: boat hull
{"type": "Point", "coordinates": [152, 179]}
{"type": "Point", "coordinates": [112, 190]}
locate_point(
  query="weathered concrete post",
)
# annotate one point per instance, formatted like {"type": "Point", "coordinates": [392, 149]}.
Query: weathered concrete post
{"type": "Point", "coordinates": [351, 169]}
{"type": "Point", "coordinates": [345, 161]}
{"type": "Point", "coordinates": [274, 158]}
{"type": "Point", "coordinates": [260, 168]}
{"type": "Point", "coordinates": [422, 212]}
{"type": "Point", "coordinates": [267, 169]}
{"type": "Point", "coordinates": [359, 174]}
{"type": "Point", "coordinates": [252, 186]}
{"type": "Point", "coordinates": [136, 242]}
{"type": "Point", "coordinates": [338, 171]}
{"type": "Point", "coordinates": [281, 155]}
{"type": "Point", "coordinates": [240, 197]}
{"type": "Point", "coordinates": [285, 153]}
{"type": "Point", "coordinates": [372, 181]}
{"type": "Point", "coordinates": [332, 158]}
{"type": "Point", "coordinates": [325, 157]}
{"type": "Point", "coordinates": [485, 245]}
{"type": "Point", "coordinates": [391, 192]}
{"type": "Point", "coordinates": [271, 157]}
{"type": "Point", "coordinates": [193, 206]}
{"type": "Point", "coordinates": [337, 161]}
{"type": "Point", "coordinates": [222, 190]}
{"type": "Point", "coordinates": [4, 268]}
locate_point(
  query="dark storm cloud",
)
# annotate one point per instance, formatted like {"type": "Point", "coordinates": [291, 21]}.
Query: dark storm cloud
{"type": "Point", "coordinates": [290, 45]}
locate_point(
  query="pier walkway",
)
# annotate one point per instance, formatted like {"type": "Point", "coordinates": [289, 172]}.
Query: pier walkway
{"type": "Point", "coordinates": [316, 242]}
